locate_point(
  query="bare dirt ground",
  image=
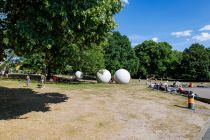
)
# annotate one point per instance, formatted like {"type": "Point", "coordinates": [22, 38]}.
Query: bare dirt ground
{"type": "Point", "coordinates": [95, 112]}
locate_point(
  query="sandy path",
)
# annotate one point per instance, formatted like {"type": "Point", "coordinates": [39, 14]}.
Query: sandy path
{"type": "Point", "coordinates": [119, 112]}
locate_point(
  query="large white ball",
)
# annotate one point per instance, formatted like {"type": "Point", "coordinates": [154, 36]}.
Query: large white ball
{"type": "Point", "coordinates": [79, 75]}
{"type": "Point", "coordinates": [122, 76]}
{"type": "Point", "coordinates": [103, 76]}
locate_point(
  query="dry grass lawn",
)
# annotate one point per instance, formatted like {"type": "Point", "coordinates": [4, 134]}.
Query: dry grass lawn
{"type": "Point", "coordinates": [95, 112]}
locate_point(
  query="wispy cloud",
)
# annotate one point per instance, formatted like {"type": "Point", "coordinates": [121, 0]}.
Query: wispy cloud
{"type": "Point", "coordinates": [155, 39]}
{"type": "Point", "coordinates": [205, 28]}
{"type": "Point", "coordinates": [136, 39]}
{"type": "Point", "coordinates": [134, 44]}
{"type": "Point", "coordinates": [125, 1]}
{"type": "Point", "coordinates": [182, 33]}
{"type": "Point", "coordinates": [188, 40]}
{"type": "Point", "coordinates": [202, 37]}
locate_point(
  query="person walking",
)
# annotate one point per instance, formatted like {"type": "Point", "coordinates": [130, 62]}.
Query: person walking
{"type": "Point", "coordinates": [139, 78]}
{"type": "Point", "coordinates": [43, 78]}
{"type": "Point", "coordinates": [27, 81]}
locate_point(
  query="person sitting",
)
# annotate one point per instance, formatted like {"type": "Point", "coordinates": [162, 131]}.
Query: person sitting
{"type": "Point", "coordinates": [112, 80]}
{"type": "Point", "coordinates": [181, 90]}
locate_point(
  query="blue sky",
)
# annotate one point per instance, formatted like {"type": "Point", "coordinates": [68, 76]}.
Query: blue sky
{"type": "Point", "coordinates": [179, 22]}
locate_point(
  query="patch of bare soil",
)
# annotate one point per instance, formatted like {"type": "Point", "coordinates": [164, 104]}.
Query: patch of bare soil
{"type": "Point", "coordinates": [117, 112]}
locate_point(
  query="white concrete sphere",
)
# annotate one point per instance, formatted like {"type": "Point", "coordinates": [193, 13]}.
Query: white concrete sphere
{"type": "Point", "coordinates": [103, 76]}
{"type": "Point", "coordinates": [122, 76]}
{"type": "Point", "coordinates": [79, 75]}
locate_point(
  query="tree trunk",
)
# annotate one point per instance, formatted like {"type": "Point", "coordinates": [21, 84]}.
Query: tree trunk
{"type": "Point", "coordinates": [49, 72]}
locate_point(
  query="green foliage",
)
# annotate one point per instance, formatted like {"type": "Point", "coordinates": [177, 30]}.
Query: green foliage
{"type": "Point", "coordinates": [196, 63]}
{"type": "Point", "coordinates": [119, 54]}
{"type": "Point", "coordinates": [34, 62]}
{"type": "Point", "coordinates": [154, 58]}
{"type": "Point", "coordinates": [56, 28]}
{"type": "Point", "coordinates": [2, 28]}
{"type": "Point", "coordinates": [1, 53]}
{"type": "Point", "coordinates": [174, 68]}
{"type": "Point", "coordinates": [10, 60]}
{"type": "Point", "coordinates": [89, 61]}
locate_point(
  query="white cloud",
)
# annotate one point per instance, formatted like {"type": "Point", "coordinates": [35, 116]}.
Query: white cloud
{"type": "Point", "coordinates": [135, 37]}
{"type": "Point", "coordinates": [134, 44]}
{"type": "Point", "coordinates": [182, 33]}
{"type": "Point", "coordinates": [125, 1]}
{"type": "Point", "coordinates": [202, 37]}
{"type": "Point", "coordinates": [205, 28]}
{"type": "Point", "coordinates": [155, 39]}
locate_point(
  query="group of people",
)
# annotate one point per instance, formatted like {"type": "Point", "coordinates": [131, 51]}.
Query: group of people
{"type": "Point", "coordinates": [42, 80]}
{"type": "Point", "coordinates": [176, 87]}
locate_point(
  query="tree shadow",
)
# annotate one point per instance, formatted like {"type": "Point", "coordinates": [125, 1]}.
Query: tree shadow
{"type": "Point", "coordinates": [205, 100]}
{"type": "Point", "coordinates": [15, 102]}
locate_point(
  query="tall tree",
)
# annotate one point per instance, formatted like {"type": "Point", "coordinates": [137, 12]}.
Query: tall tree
{"type": "Point", "coordinates": [154, 58]}
{"type": "Point", "coordinates": [10, 60]}
{"type": "Point", "coordinates": [120, 54]}
{"type": "Point", "coordinates": [2, 28]}
{"type": "Point", "coordinates": [195, 63]}
{"type": "Point", "coordinates": [89, 61]}
{"type": "Point", "coordinates": [57, 27]}
{"type": "Point", "coordinates": [174, 70]}
{"type": "Point", "coordinates": [34, 62]}
{"type": "Point", "coordinates": [1, 53]}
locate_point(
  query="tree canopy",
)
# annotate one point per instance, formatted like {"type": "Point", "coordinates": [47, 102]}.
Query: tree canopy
{"type": "Point", "coordinates": [120, 54]}
{"type": "Point", "coordinates": [196, 63]}
{"type": "Point", "coordinates": [89, 61]}
{"type": "Point", "coordinates": [61, 36]}
{"type": "Point", "coordinates": [154, 58]}
{"type": "Point", "coordinates": [55, 28]}
{"type": "Point", "coordinates": [2, 28]}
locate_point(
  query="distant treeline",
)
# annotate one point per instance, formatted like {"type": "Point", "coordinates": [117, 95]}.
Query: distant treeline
{"type": "Point", "coordinates": [148, 59]}
{"type": "Point", "coordinates": [157, 59]}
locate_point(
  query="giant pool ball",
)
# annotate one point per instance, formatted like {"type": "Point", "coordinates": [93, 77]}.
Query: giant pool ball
{"type": "Point", "coordinates": [103, 76]}
{"type": "Point", "coordinates": [122, 76]}
{"type": "Point", "coordinates": [79, 75]}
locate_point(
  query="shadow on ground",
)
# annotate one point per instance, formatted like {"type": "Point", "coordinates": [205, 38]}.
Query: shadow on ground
{"type": "Point", "coordinates": [181, 106]}
{"type": "Point", "coordinates": [15, 102]}
{"type": "Point", "coordinates": [205, 100]}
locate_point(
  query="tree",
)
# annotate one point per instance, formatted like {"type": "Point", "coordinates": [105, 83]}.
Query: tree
{"type": "Point", "coordinates": [1, 53]}
{"type": "Point", "coordinates": [119, 54]}
{"type": "Point", "coordinates": [10, 60]}
{"type": "Point", "coordinates": [33, 62]}
{"type": "Point", "coordinates": [57, 27]}
{"type": "Point", "coordinates": [154, 58]}
{"type": "Point", "coordinates": [195, 63]}
{"type": "Point", "coordinates": [174, 70]}
{"type": "Point", "coordinates": [89, 61]}
{"type": "Point", "coordinates": [2, 28]}
{"type": "Point", "coordinates": [208, 76]}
